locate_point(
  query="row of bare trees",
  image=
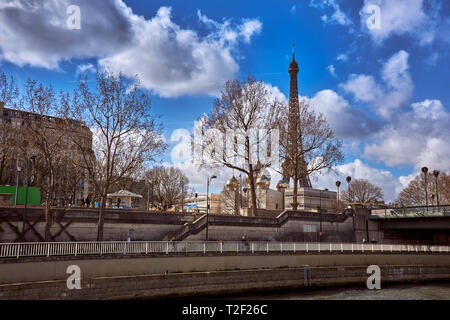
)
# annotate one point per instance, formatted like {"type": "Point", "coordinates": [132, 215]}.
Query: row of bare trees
{"type": "Point", "coordinates": [101, 133]}
{"type": "Point", "coordinates": [362, 192]}
{"type": "Point", "coordinates": [170, 186]}
{"type": "Point", "coordinates": [437, 189]}
{"type": "Point", "coordinates": [126, 136]}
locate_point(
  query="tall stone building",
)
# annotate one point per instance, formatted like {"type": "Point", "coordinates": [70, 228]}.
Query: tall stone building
{"type": "Point", "coordinates": [18, 143]}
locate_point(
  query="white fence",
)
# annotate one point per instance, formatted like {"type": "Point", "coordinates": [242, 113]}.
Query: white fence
{"type": "Point", "coordinates": [33, 249]}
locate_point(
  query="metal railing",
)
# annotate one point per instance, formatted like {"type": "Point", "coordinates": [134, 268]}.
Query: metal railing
{"type": "Point", "coordinates": [47, 249]}
{"type": "Point", "coordinates": [413, 212]}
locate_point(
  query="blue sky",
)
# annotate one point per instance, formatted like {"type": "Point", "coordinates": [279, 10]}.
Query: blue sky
{"type": "Point", "coordinates": [383, 90]}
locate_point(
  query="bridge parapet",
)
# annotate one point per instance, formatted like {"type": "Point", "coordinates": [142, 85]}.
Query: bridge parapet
{"type": "Point", "coordinates": [410, 212]}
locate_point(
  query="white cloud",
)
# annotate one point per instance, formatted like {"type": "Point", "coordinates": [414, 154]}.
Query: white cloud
{"type": "Point", "coordinates": [364, 88]}
{"type": "Point", "coordinates": [357, 169]}
{"type": "Point", "coordinates": [336, 15]}
{"type": "Point", "coordinates": [418, 137]}
{"type": "Point", "coordinates": [197, 176]}
{"type": "Point", "coordinates": [35, 32]}
{"type": "Point", "coordinates": [250, 28]}
{"type": "Point", "coordinates": [275, 93]}
{"type": "Point", "coordinates": [170, 60]}
{"type": "Point", "coordinates": [342, 57]}
{"type": "Point", "coordinates": [417, 18]}
{"type": "Point", "coordinates": [85, 67]}
{"type": "Point", "coordinates": [294, 9]}
{"type": "Point", "coordinates": [332, 70]}
{"type": "Point", "coordinates": [393, 93]}
{"type": "Point", "coordinates": [347, 122]}
{"type": "Point", "coordinates": [178, 61]}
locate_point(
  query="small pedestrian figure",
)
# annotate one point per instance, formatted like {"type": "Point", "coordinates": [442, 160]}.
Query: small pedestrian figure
{"type": "Point", "coordinates": [244, 242]}
{"type": "Point", "coordinates": [364, 240]}
{"type": "Point", "coordinates": [118, 203]}
{"type": "Point", "coordinates": [88, 201]}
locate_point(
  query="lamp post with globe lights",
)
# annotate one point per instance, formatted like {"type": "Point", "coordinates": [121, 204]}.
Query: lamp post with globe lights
{"type": "Point", "coordinates": [26, 197]}
{"type": "Point", "coordinates": [425, 172]}
{"type": "Point", "coordinates": [436, 175]}
{"type": "Point", "coordinates": [338, 184]}
{"type": "Point", "coordinates": [349, 179]}
{"type": "Point", "coordinates": [208, 181]}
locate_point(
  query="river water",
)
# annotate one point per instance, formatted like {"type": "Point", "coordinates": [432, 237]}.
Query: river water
{"type": "Point", "coordinates": [430, 291]}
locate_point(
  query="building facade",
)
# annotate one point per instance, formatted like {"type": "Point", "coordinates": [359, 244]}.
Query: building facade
{"type": "Point", "coordinates": [22, 134]}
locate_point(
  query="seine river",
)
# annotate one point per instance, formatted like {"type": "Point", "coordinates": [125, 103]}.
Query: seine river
{"type": "Point", "coordinates": [430, 291]}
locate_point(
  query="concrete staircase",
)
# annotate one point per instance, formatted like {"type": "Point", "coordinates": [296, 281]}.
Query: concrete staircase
{"type": "Point", "coordinates": [187, 229]}
{"type": "Point", "coordinates": [199, 224]}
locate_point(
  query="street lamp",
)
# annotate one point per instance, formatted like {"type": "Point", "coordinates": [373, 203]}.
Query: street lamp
{"type": "Point", "coordinates": [425, 171]}
{"type": "Point", "coordinates": [338, 184]}
{"type": "Point", "coordinates": [148, 197]}
{"type": "Point", "coordinates": [320, 215]}
{"type": "Point", "coordinates": [182, 195]}
{"type": "Point", "coordinates": [436, 175]}
{"type": "Point", "coordinates": [26, 197]}
{"type": "Point", "coordinates": [349, 179]}
{"type": "Point", "coordinates": [19, 169]}
{"type": "Point", "coordinates": [208, 180]}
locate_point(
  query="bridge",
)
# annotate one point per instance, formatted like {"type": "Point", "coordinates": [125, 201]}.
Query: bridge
{"type": "Point", "coordinates": [414, 224]}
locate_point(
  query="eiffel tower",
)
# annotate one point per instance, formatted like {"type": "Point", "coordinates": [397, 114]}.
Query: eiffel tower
{"type": "Point", "coordinates": [294, 115]}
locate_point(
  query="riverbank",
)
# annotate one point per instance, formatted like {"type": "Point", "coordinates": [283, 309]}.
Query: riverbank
{"type": "Point", "coordinates": [219, 282]}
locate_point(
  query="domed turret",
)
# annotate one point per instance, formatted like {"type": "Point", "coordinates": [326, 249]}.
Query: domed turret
{"type": "Point", "coordinates": [233, 183]}
{"type": "Point", "coordinates": [283, 183]}
{"type": "Point", "coordinates": [263, 181]}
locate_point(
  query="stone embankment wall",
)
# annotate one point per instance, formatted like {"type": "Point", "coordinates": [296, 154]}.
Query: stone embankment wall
{"type": "Point", "coordinates": [81, 225]}
{"type": "Point", "coordinates": [167, 276]}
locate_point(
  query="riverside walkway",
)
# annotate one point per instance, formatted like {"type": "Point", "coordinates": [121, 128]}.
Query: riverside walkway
{"type": "Point", "coordinates": [54, 249]}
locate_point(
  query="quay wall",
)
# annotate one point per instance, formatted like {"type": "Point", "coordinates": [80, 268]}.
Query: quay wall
{"type": "Point", "coordinates": [169, 276]}
{"type": "Point", "coordinates": [81, 225]}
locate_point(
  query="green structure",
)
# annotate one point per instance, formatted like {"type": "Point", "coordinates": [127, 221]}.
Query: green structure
{"type": "Point", "coordinates": [34, 195]}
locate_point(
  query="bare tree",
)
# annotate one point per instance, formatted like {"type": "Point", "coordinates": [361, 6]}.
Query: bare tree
{"type": "Point", "coordinates": [9, 93]}
{"type": "Point", "coordinates": [227, 201]}
{"type": "Point", "coordinates": [414, 193]}
{"type": "Point", "coordinates": [125, 133]}
{"type": "Point", "coordinates": [170, 185]}
{"type": "Point", "coordinates": [45, 139]}
{"type": "Point", "coordinates": [363, 192]}
{"type": "Point", "coordinates": [308, 144]}
{"type": "Point", "coordinates": [243, 117]}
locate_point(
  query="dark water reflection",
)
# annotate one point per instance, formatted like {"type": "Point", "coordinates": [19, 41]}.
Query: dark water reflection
{"type": "Point", "coordinates": [429, 291]}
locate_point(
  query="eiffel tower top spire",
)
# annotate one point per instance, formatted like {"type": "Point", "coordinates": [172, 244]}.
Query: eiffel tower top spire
{"type": "Point", "coordinates": [293, 66]}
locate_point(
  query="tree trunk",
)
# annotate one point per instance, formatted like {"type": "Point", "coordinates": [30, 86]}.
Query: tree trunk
{"type": "Point", "coordinates": [101, 219]}
{"type": "Point", "coordinates": [253, 191]}
{"type": "Point", "coordinates": [48, 219]}
{"type": "Point", "coordinates": [1, 172]}
{"type": "Point", "coordinates": [294, 195]}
